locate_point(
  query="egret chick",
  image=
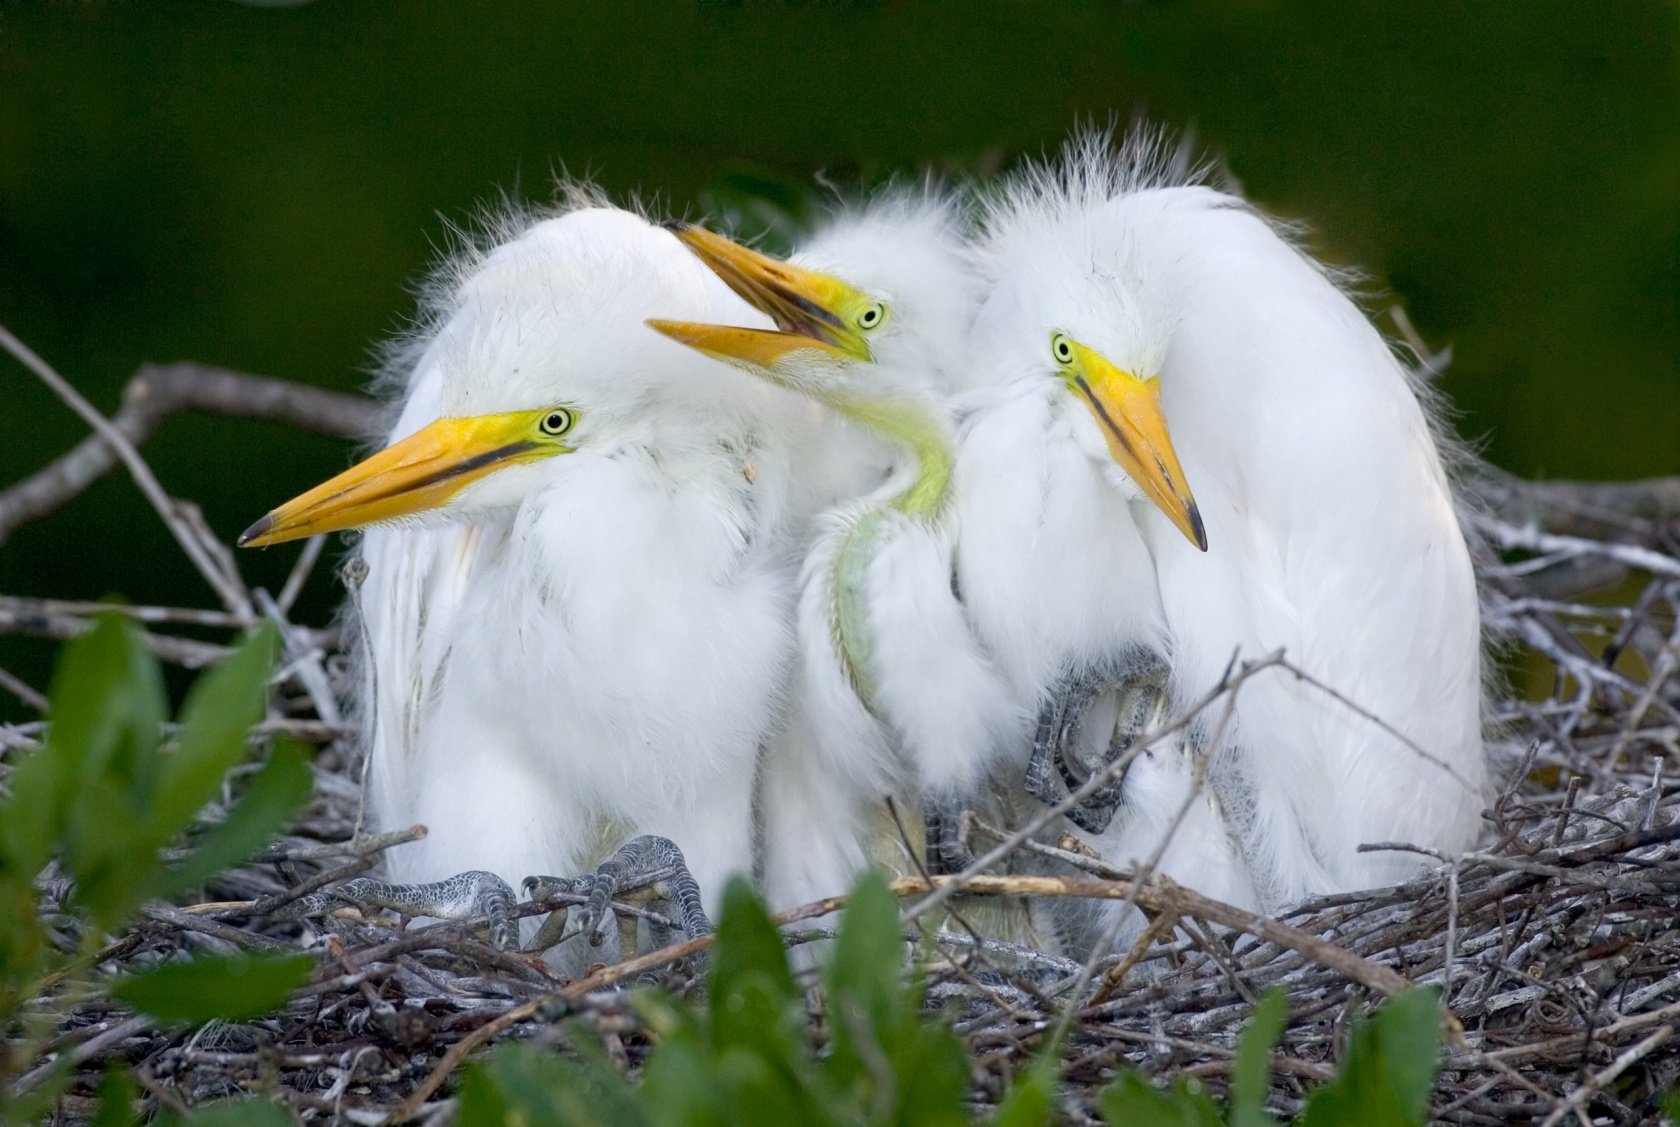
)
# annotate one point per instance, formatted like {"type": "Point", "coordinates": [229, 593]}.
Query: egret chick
{"type": "Point", "coordinates": [1124, 294]}
{"type": "Point", "coordinates": [578, 632]}
{"type": "Point", "coordinates": [894, 696]}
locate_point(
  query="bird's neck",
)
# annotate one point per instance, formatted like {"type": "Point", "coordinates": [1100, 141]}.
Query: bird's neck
{"type": "Point", "coordinates": [916, 425]}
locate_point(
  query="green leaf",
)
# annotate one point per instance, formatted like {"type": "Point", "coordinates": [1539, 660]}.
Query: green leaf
{"type": "Point", "coordinates": [273, 795]}
{"type": "Point", "coordinates": [686, 1082]}
{"type": "Point", "coordinates": [116, 1100]}
{"type": "Point", "coordinates": [756, 1040]}
{"type": "Point", "coordinates": [231, 988]}
{"type": "Point", "coordinates": [748, 941]}
{"type": "Point", "coordinates": [537, 1087]}
{"type": "Point", "coordinates": [109, 851]}
{"type": "Point", "coordinates": [1389, 1071]}
{"type": "Point", "coordinates": [22, 942]}
{"type": "Point", "coordinates": [1408, 1031]}
{"type": "Point", "coordinates": [665, 1017]}
{"type": "Point", "coordinates": [32, 821]}
{"type": "Point", "coordinates": [233, 1113]}
{"type": "Point", "coordinates": [1252, 1075]}
{"type": "Point", "coordinates": [35, 1105]}
{"type": "Point", "coordinates": [752, 989]}
{"type": "Point", "coordinates": [866, 991]}
{"type": "Point", "coordinates": [930, 1072]}
{"type": "Point", "coordinates": [219, 712]}
{"type": "Point", "coordinates": [1133, 1100]}
{"type": "Point", "coordinates": [1032, 1101]}
{"type": "Point", "coordinates": [107, 699]}
{"type": "Point", "coordinates": [107, 709]}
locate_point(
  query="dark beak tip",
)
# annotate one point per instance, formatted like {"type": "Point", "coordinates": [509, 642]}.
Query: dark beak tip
{"type": "Point", "coordinates": [261, 528]}
{"type": "Point", "coordinates": [1198, 527]}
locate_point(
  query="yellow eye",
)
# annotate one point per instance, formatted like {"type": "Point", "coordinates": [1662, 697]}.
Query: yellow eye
{"type": "Point", "coordinates": [557, 422]}
{"type": "Point", "coordinates": [872, 316]}
{"type": "Point", "coordinates": [1061, 348]}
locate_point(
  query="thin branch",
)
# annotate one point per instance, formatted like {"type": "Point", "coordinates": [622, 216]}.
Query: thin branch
{"type": "Point", "coordinates": [30, 617]}
{"type": "Point", "coordinates": [1577, 1100]}
{"type": "Point", "coordinates": [1578, 508]}
{"type": "Point", "coordinates": [232, 597]}
{"type": "Point", "coordinates": [23, 690]}
{"type": "Point", "coordinates": [158, 391]}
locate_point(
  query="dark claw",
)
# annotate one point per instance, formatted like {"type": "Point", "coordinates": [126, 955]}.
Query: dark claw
{"type": "Point", "coordinates": [945, 824]}
{"type": "Point", "coordinates": [645, 862]}
{"type": "Point", "coordinates": [553, 928]}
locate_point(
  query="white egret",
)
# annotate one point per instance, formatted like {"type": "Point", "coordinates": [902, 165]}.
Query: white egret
{"type": "Point", "coordinates": [894, 697]}
{"type": "Point", "coordinates": [1123, 294]}
{"type": "Point", "coordinates": [580, 632]}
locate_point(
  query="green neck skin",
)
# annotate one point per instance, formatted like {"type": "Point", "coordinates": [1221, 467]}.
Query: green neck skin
{"type": "Point", "coordinates": [912, 425]}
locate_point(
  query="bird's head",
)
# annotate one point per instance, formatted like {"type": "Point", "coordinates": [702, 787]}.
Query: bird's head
{"type": "Point", "coordinates": [866, 316]}
{"type": "Point", "coordinates": [872, 303]}
{"type": "Point", "coordinates": [463, 465]}
{"type": "Point", "coordinates": [1126, 408]}
{"type": "Point", "coordinates": [1071, 298]}
{"type": "Point", "coordinates": [825, 328]}
{"type": "Point", "coordinates": [540, 352]}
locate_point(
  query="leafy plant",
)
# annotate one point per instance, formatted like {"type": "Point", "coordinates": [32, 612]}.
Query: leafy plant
{"type": "Point", "coordinates": [747, 1057]}
{"type": "Point", "coordinates": [103, 797]}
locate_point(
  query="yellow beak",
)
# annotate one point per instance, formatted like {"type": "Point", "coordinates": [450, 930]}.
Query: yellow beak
{"type": "Point", "coordinates": [761, 349]}
{"type": "Point", "coordinates": [808, 308]}
{"type": "Point", "coordinates": [1129, 411]}
{"type": "Point", "coordinates": [419, 473]}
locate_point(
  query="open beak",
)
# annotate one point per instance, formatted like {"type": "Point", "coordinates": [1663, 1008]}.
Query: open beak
{"type": "Point", "coordinates": [419, 473]}
{"type": "Point", "coordinates": [1129, 411]}
{"type": "Point", "coordinates": [804, 305]}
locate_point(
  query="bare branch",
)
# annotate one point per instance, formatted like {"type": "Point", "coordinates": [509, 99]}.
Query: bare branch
{"type": "Point", "coordinates": [158, 391]}
{"type": "Point", "coordinates": [1579, 508]}
{"type": "Point", "coordinates": [233, 596]}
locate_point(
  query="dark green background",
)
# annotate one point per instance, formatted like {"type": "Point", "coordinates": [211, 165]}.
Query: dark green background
{"type": "Point", "coordinates": [257, 186]}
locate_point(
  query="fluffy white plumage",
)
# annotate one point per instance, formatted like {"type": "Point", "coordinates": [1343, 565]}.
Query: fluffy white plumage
{"type": "Point", "coordinates": [576, 649]}
{"type": "Point", "coordinates": [1329, 518]}
{"type": "Point", "coordinates": [583, 648]}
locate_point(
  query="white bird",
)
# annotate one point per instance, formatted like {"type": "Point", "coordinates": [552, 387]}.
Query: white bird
{"type": "Point", "coordinates": [580, 631]}
{"type": "Point", "coordinates": [894, 697]}
{"type": "Point", "coordinates": [1124, 295]}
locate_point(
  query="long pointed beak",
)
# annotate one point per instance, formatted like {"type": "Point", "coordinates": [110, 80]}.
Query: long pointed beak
{"type": "Point", "coordinates": [419, 473]}
{"type": "Point", "coordinates": [760, 349]}
{"type": "Point", "coordinates": [806, 306]}
{"type": "Point", "coordinates": [1129, 411]}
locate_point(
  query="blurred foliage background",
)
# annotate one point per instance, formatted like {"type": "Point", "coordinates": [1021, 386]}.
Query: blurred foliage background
{"type": "Point", "coordinates": [258, 185]}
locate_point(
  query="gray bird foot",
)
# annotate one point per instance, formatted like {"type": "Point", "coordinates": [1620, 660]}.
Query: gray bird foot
{"type": "Point", "coordinates": [945, 824]}
{"type": "Point", "coordinates": [465, 896]}
{"type": "Point", "coordinates": [649, 865]}
{"type": "Point", "coordinates": [1091, 719]}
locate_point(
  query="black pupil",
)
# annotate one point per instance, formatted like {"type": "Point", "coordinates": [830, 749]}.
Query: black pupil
{"type": "Point", "coordinates": [556, 421]}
